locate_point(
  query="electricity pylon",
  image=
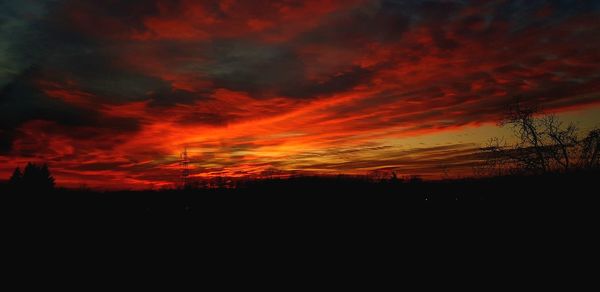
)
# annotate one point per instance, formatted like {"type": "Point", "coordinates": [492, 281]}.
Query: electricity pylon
{"type": "Point", "coordinates": [185, 168]}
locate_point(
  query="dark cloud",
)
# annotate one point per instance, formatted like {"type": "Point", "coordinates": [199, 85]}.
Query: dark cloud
{"type": "Point", "coordinates": [22, 101]}
{"type": "Point", "coordinates": [339, 82]}
{"type": "Point", "coordinates": [108, 18]}
{"type": "Point", "coordinates": [252, 67]}
{"type": "Point", "coordinates": [40, 43]}
{"type": "Point", "coordinates": [377, 21]}
{"type": "Point", "coordinates": [267, 70]}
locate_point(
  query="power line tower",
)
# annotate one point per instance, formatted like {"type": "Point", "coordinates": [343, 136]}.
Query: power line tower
{"type": "Point", "coordinates": [185, 168]}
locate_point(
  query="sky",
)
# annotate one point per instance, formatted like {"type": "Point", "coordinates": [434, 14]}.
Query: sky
{"type": "Point", "coordinates": [109, 93]}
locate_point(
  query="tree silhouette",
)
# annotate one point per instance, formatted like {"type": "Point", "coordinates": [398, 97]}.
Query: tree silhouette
{"type": "Point", "coordinates": [562, 140]}
{"type": "Point", "coordinates": [16, 177]}
{"type": "Point", "coordinates": [36, 177]}
{"type": "Point", "coordinates": [529, 152]}
{"type": "Point", "coordinates": [543, 144]}
{"type": "Point", "coordinates": [590, 150]}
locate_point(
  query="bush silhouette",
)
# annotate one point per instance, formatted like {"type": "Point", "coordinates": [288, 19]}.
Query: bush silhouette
{"type": "Point", "coordinates": [34, 177]}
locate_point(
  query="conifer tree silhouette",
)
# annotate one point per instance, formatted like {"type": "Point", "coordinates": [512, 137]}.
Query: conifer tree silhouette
{"type": "Point", "coordinates": [16, 177]}
{"type": "Point", "coordinates": [37, 177]}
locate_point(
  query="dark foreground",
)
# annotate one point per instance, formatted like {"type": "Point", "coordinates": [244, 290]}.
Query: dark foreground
{"type": "Point", "coordinates": [308, 196]}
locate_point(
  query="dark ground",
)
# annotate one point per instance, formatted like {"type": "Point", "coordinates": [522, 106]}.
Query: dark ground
{"type": "Point", "coordinates": [309, 196]}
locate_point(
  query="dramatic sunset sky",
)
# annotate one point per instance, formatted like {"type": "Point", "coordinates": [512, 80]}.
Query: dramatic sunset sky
{"type": "Point", "coordinates": [109, 92]}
